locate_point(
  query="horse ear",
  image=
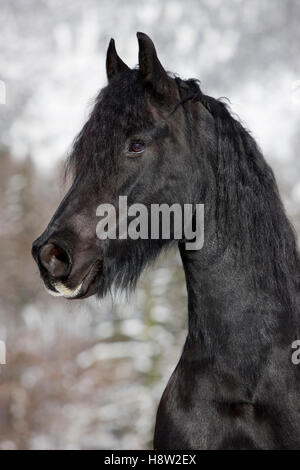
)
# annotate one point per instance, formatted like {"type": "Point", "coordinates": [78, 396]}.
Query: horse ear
{"type": "Point", "coordinates": [151, 69]}
{"type": "Point", "coordinates": [114, 64]}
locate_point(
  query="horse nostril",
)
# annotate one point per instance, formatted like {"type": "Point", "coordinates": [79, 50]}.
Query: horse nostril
{"type": "Point", "coordinates": [55, 260]}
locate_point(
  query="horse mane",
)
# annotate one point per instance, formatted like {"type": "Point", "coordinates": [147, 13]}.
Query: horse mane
{"type": "Point", "coordinates": [249, 210]}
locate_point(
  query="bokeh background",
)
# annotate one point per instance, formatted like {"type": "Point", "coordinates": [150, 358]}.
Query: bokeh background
{"type": "Point", "coordinates": [88, 374]}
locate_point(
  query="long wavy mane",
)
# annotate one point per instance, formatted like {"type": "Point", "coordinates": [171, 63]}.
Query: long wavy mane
{"type": "Point", "coordinates": [249, 210]}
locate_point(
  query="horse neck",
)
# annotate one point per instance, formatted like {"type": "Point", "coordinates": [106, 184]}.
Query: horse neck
{"type": "Point", "coordinates": [227, 312]}
{"type": "Point", "coordinates": [240, 298]}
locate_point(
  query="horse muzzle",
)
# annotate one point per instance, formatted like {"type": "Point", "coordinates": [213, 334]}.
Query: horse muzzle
{"type": "Point", "coordinates": [56, 267]}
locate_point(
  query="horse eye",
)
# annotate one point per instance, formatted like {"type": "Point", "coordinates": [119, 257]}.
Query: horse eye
{"type": "Point", "coordinates": [136, 147]}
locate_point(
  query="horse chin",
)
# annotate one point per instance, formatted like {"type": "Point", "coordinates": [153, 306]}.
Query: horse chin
{"type": "Point", "coordinates": [86, 288]}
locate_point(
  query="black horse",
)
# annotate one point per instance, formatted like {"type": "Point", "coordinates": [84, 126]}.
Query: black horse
{"type": "Point", "coordinates": [158, 139]}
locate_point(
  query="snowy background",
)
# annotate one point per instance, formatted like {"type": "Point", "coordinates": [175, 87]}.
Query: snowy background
{"type": "Point", "coordinates": [90, 375]}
